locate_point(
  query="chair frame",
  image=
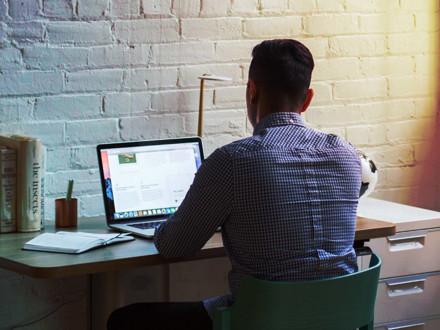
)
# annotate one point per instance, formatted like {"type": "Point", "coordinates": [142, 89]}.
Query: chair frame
{"type": "Point", "coordinates": [344, 302]}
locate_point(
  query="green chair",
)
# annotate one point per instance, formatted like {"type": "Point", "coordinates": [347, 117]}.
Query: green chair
{"type": "Point", "coordinates": [345, 302]}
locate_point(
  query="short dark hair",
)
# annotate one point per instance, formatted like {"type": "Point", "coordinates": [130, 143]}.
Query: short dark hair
{"type": "Point", "coordinates": [283, 67]}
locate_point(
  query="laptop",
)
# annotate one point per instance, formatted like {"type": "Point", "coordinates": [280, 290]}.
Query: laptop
{"type": "Point", "coordinates": [144, 182]}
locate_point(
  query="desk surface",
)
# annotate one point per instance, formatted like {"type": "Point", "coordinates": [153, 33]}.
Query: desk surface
{"type": "Point", "coordinates": [405, 217]}
{"type": "Point", "coordinates": [138, 253]}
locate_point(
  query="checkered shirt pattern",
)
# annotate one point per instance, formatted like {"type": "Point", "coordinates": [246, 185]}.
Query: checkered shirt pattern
{"type": "Point", "coordinates": [286, 200]}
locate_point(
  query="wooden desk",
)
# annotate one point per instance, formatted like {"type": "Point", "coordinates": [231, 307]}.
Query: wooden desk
{"type": "Point", "coordinates": [138, 253]}
{"type": "Point", "coordinates": [107, 274]}
{"type": "Point", "coordinates": [369, 228]}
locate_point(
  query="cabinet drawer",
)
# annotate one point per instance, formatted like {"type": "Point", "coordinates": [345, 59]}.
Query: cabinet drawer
{"type": "Point", "coordinates": [407, 253]}
{"type": "Point", "coordinates": [428, 323]}
{"type": "Point", "coordinates": [408, 297]}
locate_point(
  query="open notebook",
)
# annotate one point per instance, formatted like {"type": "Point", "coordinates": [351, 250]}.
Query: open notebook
{"type": "Point", "coordinates": [73, 242]}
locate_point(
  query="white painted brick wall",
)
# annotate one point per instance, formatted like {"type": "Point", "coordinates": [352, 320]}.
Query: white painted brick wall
{"type": "Point", "coordinates": [143, 79]}
{"type": "Point", "coordinates": [10, 59]}
{"type": "Point", "coordinates": [91, 131]}
{"type": "Point", "coordinates": [156, 7]}
{"type": "Point", "coordinates": [31, 83]}
{"type": "Point", "coordinates": [22, 10]}
{"type": "Point", "coordinates": [329, 25]}
{"type": "Point", "coordinates": [358, 45]}
{"type": "Point", "coordinates": [360, 89]}
{"type": "Point", "coordinates": [336, 69]}
{"type": "Point", "coordinates": [180, 101]}
{"type": "Point", "coordinates": [391, 66]}
{"type": "Point", "coordinates": [273, 27]}
{"type": "Point", "coordinates": [19, 32]}
{"type": "Point", "coordinates": [211, 28]}
{"type": "Point", "coordinates": [186, 8]}
{"type": "Point", "coordinates": [42, 57]}
{"type": "Point", "coordinates": [79, 33]}
{"type": "Point", "coordinates": [214, 8]}
{"type": "Point", "coordinates": [330, 6]}
{"type": "Point", "coordinates": [125, 104]}
{"type": "Point", "coordinates": [125, 9]}
{"type": "Point", "coordinates": [94, 80]}
{"type": "Point", "coordinates": [77, 73]}
{"type": "Point", "coordinates": [71, 106]}
{"type": "Point", "coordinates": [16, 110]}
{"type": "Point", "coordinates": [3, 9]}
{"type": "Point", "coordinates": [118, 56]}
{"type": "Point", "coordinates": [152, 127]}
{"type": "Point", "coordinates": [3, 31]}
{"type": "Point", "coordinates": [146, 31]}
{"type": "Point", "coordinates": [89, 71]}
{"type": "Point", "coordinates": [58, 9]}
{"type": "Point", "coordinates": [92, 8]}
{"type": "Point", "coordinates": [184, 53]}
{"type": "Point", "coordinates": [245, 7]}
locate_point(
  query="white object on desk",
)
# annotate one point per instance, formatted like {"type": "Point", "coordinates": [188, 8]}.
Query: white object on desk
{"type": "Point", "coordinates": [405, 217]}
{"type": "Point", "coordinates": [73, 242]}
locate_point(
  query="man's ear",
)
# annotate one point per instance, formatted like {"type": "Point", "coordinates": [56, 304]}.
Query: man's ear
{"type": "Point", "coordinates": [308, 99]}
{"type": "Point", "coordinates": [253, 91]}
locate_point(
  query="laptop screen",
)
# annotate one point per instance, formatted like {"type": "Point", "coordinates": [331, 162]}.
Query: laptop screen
{"type": "Point", "coordinates": [147, 179]}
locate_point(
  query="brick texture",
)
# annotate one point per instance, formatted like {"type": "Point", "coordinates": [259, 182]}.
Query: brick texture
{"type": "Point", "coordinates": [58, 8]}
{"type": "Point", "coordinates": [92, 8]}
{"type": "Point", "coordinates": [23, 10]}
{"type": "Point", "coordinates": [270, 27]}
{"type": "Point", "coordinates": [122, 9]}
{"type": "Point", "coordinates": [79, 72]}
{"type": "Point", "coordinates": [211, 28]}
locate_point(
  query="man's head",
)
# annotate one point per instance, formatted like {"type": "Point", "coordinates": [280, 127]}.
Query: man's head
{"type": "Point", "coordinates": [279, 78]}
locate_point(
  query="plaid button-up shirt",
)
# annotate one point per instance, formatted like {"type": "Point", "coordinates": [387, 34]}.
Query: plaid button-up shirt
{"type": "Point", "coordinates": [286, 201]}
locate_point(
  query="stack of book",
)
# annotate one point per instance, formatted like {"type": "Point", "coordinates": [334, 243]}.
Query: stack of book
{"type": "Point", "coordinates": [21, 184]}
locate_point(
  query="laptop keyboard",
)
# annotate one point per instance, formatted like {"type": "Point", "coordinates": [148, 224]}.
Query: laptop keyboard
{"type": "Point", "coordinates": [146, 225]}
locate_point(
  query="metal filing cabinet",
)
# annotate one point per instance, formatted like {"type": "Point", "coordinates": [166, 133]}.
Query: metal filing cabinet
{"type": "Point", "coordinates": [409, 287]}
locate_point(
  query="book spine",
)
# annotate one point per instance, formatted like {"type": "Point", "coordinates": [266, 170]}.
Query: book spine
{"type": "Point", "coordinates": [7, 190]}
{"type": "Point", "coordinates": [43, 179]}
{"type": "Point", "coordinates": [28, 201]}
{"type": "Point", "coordinates": [31, 189]}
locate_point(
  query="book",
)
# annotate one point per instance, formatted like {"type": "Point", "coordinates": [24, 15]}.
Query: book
{"type": "Point", "coordinates": [28, 185]}
{"type": "Point", "coordinates": [7, 190]}
{"type": "Point", "coordinates": [74, 242]}
{"type": "Point", "coordinates": [43, 185]}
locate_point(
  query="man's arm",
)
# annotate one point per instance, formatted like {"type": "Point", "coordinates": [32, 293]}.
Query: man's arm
{"type": "Point", "coordinates": [206, 206]}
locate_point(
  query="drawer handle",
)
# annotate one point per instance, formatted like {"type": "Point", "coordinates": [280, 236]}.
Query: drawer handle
{"type": "Point", "coordinates": [406, 326]}
{"type": "Point", "coordinates": [402, 242]}
{"type": "Point", "coordinates": [402, 237]}
{"type": "Point", "coordinates": [406, 287]}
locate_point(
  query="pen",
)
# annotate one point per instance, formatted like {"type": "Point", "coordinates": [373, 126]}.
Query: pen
{"type": "Point", "coordinates": [117, 236]}
{"type": "Point", "coordinates": [69, 190]}
{"type": "Point", "coordinates": [121, 235]}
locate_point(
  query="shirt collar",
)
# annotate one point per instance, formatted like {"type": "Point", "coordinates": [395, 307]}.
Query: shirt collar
{"type": "Point", "coordinates": [278, 119]}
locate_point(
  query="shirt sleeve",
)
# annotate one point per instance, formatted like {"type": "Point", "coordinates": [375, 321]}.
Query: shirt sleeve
{"type": "Point", "coordinates": [205, 207]}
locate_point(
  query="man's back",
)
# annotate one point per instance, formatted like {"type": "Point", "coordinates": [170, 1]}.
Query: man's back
{"type": "Point", "coordinates": [295, 198]}
{"type": "Point", "coordinates": [286, 200]}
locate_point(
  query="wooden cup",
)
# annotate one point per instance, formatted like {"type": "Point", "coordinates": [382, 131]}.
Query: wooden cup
{"type": "Point", "coordinates": [66, 212]}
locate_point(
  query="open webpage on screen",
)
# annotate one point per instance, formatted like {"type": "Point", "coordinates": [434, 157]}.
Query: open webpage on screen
{"type": "Point", "coordinates": [148, 179]}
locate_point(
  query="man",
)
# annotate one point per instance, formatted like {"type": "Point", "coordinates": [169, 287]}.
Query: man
{"type": "Point", "coordinates": [285, 198]}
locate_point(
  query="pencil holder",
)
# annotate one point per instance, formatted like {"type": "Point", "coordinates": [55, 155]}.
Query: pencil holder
{"type": "Point", "coordinates": [66, 212]}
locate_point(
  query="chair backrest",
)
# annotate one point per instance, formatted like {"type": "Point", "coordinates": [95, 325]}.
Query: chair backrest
{"type": "Point", "coordinates": [345, 302]}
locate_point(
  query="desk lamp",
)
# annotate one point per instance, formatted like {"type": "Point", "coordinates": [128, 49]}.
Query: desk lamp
{"type": "Point", "coordinates": [202, 85]}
